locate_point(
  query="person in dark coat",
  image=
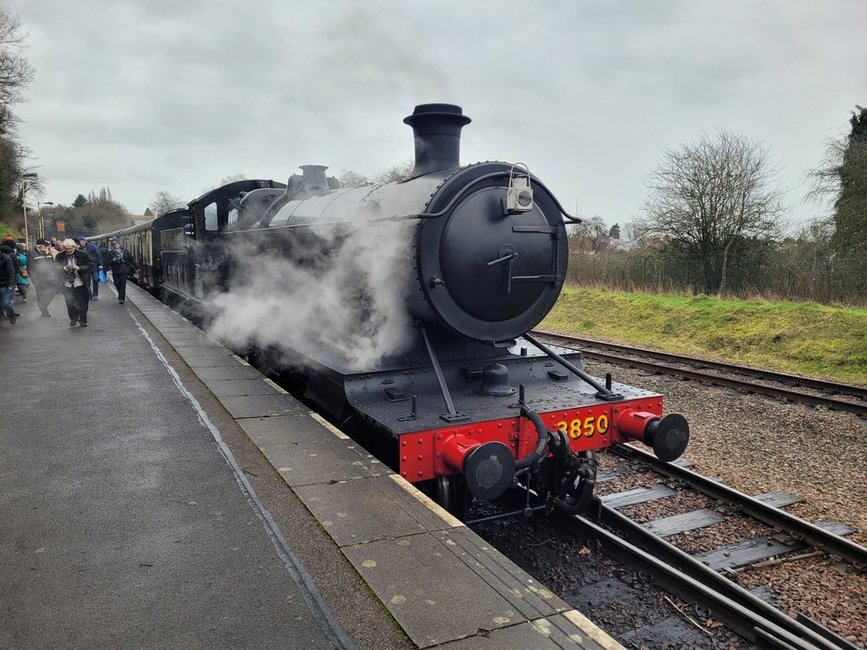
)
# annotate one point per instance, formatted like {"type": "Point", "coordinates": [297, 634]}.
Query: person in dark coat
{"type": "Point", "coordinates": [45, 275]}
{"type": "Point", "coordinates": [12, 251]}
{"type": "Point", "coordinates": [76, 268]}
{"type": "Point", "coordinates": [122, 266]}
{"type": "Point", "coordinates": [7, 282]}
{"type": "Point", "coordinates": [95, 265]}
{"type": "Point", "coordinates": [9, 249]}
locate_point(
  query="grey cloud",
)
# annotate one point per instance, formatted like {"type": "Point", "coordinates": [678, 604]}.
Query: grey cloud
{"type": "Point", "coordinates": [143, 96]}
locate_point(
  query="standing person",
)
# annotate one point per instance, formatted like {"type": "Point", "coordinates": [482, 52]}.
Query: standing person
{"type": "Point", "coordinates": [22, 276]}
{"type": "Point", "coordinates": [122, 264]}
{"type": "Point", "coordinates": [96, 265]}
{"type": "Point", "coordinates": [45, 276]}
{"type": "Point", "coordinates": [7, 280]}
{"type": "Point", "coordinates": [76, 268]}
{"type": "Point", "coordinates": [103, 253]}
{"type": "Point", "coordinates": [12, 251]}
{"type": "Point", "coordinates": [8, 249]}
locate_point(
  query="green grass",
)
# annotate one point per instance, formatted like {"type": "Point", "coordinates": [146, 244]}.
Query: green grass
{"type": "Point", "coordinates": [8, 230]}
{"type": "Point", "coordinates": [799, 338]}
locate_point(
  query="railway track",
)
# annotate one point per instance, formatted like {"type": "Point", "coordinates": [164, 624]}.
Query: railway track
{"type": "Point", "coordinates": [815, 392]}
{"type": "Point", "coordinates": [707, 581]}
{"type": "Point", "coordinates": [694, 582]}
{"type": "Point", "coordinates": [701, 580]}
{"type": "Point", "coordinates": [759, 509]}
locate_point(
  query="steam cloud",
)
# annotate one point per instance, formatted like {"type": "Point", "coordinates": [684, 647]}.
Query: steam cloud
{"type": "Point", "coordinates": [344, 304]}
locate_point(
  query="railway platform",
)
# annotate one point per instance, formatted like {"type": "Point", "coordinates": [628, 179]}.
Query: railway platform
{"type": "Point", "coordinates": [155, 490]}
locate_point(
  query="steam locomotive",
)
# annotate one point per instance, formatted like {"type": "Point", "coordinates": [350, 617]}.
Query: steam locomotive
{"type": "Point", "coordinates": [436, 281]}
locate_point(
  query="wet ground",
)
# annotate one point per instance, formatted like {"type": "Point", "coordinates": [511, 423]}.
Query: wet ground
{"type": "Point", "coordinates": [621, 601]}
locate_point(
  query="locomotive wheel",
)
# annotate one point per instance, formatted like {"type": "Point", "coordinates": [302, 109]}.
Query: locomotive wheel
{"type": "Point", "coordinates": [451, 494]}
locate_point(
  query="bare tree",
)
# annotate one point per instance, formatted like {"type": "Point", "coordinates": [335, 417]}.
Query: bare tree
{"type": "Point", "coordinates": [164, 202]}
{"type": "Point", "coordinates": [632, 230]}
{"type": "Point", "coordinates": [398, 172]}
{"type": "Point", "coordinates": [351, 178]}
{"type": "Point", "coordinates": [231, 178]}
{"type": "Point", "coordinates": [15, 71]}
{"type": "Point", "coordinates": [101, 198]}
{"type": "Point", "coordinates": [712, 197]}
{"type": "Point", "coordinates": [591, 235]}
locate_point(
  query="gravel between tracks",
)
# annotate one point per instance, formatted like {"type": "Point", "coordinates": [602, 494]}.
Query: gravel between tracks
{"type": "Point", "coordinates": [757, 444]}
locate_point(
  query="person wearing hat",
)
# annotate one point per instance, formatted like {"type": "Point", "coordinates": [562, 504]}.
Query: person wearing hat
{"type": "Point", "coordinates": [76, 268]}
{"type": "Point", "coordinates": [10, 248]}
{"type": "Point", "coordinates": [121, 263]}
{"type": "Point", "coordinates": [45, 275]}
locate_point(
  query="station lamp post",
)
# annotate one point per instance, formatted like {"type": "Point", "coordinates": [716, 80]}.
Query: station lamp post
{"type": "Point", "coordinates": [24, 186]}
{"type": "Point", "coordinates": [41, 229]}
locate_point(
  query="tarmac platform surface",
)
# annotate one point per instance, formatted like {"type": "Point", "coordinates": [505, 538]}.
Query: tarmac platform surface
{"type": "Point", "coordinates": [157, 491]}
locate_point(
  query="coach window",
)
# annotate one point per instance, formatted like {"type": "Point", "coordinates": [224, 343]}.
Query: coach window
{"type": "Point", "coordinates": [211, 217]}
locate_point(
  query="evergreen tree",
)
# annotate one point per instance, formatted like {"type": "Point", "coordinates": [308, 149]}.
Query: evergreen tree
{"type": "Point", "coordinates": [850, 208]}
{"type": "Point", "coordinates": [79, 201]}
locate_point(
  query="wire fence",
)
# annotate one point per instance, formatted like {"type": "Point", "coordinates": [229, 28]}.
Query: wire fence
{"type": "Point", "coordinates": [794, 275]}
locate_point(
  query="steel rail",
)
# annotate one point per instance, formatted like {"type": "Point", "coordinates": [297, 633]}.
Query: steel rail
{"type": "Point", "coordinates": [857, 407]}
{"type": "Point", "coordinates": [774, 517]}
{"type": "Point", "coordinates": [693, 581]}
{"type": "Point", "coordinates": [782, 377]}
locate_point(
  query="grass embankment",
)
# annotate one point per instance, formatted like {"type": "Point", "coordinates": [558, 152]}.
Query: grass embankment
{"type": "Point", "coordinates": [799, 338]}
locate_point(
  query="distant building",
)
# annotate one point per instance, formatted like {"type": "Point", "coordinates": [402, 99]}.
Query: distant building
{"type": "Point", "coordinates": [60, 227]}
{"type": "Point", "coordinates": [139, 219]}
{"type": "Point", "coordinates": [653, 242]}
{"type": "Point", "coordinates": [623, 244]}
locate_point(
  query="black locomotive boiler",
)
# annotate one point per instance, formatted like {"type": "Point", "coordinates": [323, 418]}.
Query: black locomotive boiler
{"type": "Point", "coordinates": [468, 402]}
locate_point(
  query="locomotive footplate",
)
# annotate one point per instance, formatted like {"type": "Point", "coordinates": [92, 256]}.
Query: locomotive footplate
{"type": "Point", "coordinates": [406, 406]}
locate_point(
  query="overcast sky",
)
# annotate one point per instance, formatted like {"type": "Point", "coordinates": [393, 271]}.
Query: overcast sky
{"type": "Point", "coordinates": [176, 95]}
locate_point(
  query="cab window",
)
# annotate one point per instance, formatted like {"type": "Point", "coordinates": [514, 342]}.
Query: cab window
{"type": "Point", "coordinates": [210, 212]}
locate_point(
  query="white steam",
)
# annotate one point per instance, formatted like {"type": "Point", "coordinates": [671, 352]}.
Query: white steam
{"type": "Point", "coordinates": [341, 301]}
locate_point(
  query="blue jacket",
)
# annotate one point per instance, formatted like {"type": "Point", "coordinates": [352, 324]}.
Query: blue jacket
{"type": "Point", "coordinates": [93, 254]}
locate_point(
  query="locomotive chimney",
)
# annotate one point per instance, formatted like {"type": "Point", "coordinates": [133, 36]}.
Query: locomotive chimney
{"type": "Point", "coordinates": [314, 176]}
{"type": "Point", "coordinates": [437, 131]}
